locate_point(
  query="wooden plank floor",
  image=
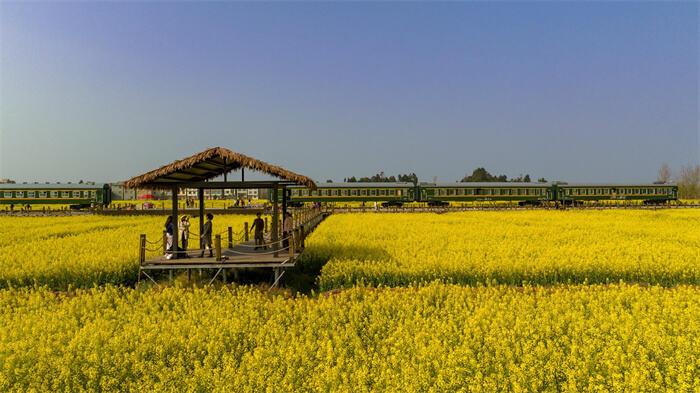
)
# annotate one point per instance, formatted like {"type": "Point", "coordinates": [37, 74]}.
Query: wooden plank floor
{"type": "Point", "coordinates": [238, 255]}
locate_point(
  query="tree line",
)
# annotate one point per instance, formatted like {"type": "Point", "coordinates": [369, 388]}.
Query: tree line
{"type": "Point", "coordinates": [478, 175]}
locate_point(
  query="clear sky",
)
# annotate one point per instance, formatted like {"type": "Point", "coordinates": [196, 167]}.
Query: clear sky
{"type": "Point", "coordinates": [596, 91]}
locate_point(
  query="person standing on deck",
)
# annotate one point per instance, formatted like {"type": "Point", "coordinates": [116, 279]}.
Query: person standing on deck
{"type": "Point", "coordinates": [206, 236]}
{"type": "Point", "coordinates": [184, 229]}
{"type": "Point", "coordinates": [259, 227]}
{"type": "Point", "coordinates": [287, 228]}
{"type": "Point", "coordinates": [169, 237]}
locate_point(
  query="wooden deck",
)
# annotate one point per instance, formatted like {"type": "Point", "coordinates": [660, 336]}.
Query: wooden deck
{"type": "Point", "coordinates": [240, 256]}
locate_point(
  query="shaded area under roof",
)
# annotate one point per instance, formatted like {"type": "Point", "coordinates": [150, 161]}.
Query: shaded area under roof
{"type": "Point", "coordinates": [208, 165]}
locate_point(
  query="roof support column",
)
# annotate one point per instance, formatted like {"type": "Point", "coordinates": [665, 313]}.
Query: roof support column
{"type": "Point", "coordinates": [200, 195]}
{"type": "Point", "coordinates": [275, 218]}
{"type": "Point", "coordinates": [284, 204]}
{"type": "Point", "coordinates": [176, 235]}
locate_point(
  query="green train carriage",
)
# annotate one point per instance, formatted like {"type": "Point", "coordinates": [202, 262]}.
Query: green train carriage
{"type": "Point", "coordinates": [523, 193]}
{"type": "Point", "coordinates": [648, 193]}
{"type": "Point", "coordinates": [353, 192]}
{"type": "Point", "coordinates": [77, 195]}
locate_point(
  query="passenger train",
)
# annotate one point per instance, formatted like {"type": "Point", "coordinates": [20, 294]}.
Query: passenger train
{"type": "Point", "coordinates": [76, 195]}
{"type": "Point", "coordinates": [522, 193]}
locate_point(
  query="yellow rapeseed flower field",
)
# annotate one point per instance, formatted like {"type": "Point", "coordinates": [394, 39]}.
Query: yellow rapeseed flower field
{"type": "Point", "coordinates": [512, 247]}
{"type": "Point", "coordinates": [434, 338]}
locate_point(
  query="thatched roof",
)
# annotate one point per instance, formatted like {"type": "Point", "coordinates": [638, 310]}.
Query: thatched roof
{"type": "Point", "coordinates": [208, 165]}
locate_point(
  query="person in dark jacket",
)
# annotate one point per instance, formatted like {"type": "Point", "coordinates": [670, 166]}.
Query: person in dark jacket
{"type": "Point", "coordinates": [259, 228]}
{"type": "Point", "coordinates": [169, 230]}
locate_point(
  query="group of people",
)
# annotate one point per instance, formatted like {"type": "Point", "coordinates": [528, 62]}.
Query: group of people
{"type": "Point", "coordinates": [205, 238]}
{"type": "Point", "coordinates": [183, 233]}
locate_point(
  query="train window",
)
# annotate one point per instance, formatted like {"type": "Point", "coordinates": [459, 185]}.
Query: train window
{"type": "Point", "coordinates": [398, 192]}
{"type": "Point", "coordinates": [76, 194]}
{"type": "Point", "coordinates": [382, 192]}
{"type": "Point", "coordinates": [19, 194]}
{"type": "Point", "coordinates": [353, 192]}
{"type": "Point", "coordinates": [8, 194]}
{"type": "Point", "coordinates": [30, 194]}
{"type": "Point", "coordinates": [43, 194]}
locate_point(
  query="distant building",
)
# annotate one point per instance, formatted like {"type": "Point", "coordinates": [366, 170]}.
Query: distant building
{"type": "Point", "coordinates": [191, 193]}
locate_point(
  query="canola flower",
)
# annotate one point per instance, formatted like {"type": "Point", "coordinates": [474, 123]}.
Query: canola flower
{"type": "Point", "coordinates": [83, 251]}
{"type": "Point", "coordinates": [433, 338]}
{"type": "Point", "coordinates": [515, 247]}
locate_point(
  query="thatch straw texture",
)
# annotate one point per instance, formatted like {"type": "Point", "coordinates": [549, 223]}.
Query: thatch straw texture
{"type": "Point", "coordinates": [210, 164]}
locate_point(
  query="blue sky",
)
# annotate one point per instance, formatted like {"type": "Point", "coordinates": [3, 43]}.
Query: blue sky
{"type": "Point", "coordinates": [601, 91]}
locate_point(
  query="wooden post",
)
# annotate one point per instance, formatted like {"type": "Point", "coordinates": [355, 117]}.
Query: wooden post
{"type": "Point", "coordinates": [245, 231]}
{"type": "Point", "coordinates": [230, 237]}
{"type": "Point", "coordinates": [275, 219]}
{"type": "Point", "coordinates": [200, 196]}
{"type": "Point", "coordinates": [175, 229]}
{"type": "Point", "coordinates": [217, 245]}
{"type": "Point", "coordinates": [265, 225]}
{"type": "Point", "coordinates": [142, 248]}
{"type": "Point", "coordinates": [291, 244]}
{"type": "Point", "coordinates": [284, 204]}
{"type": "Point", "coordinates": [165, 242]}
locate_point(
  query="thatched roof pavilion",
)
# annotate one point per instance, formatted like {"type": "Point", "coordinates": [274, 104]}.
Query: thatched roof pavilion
{"type": "Point", "coordinates": [207, 165]}
{"type": "Point", "coordinates": [197, 171]}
